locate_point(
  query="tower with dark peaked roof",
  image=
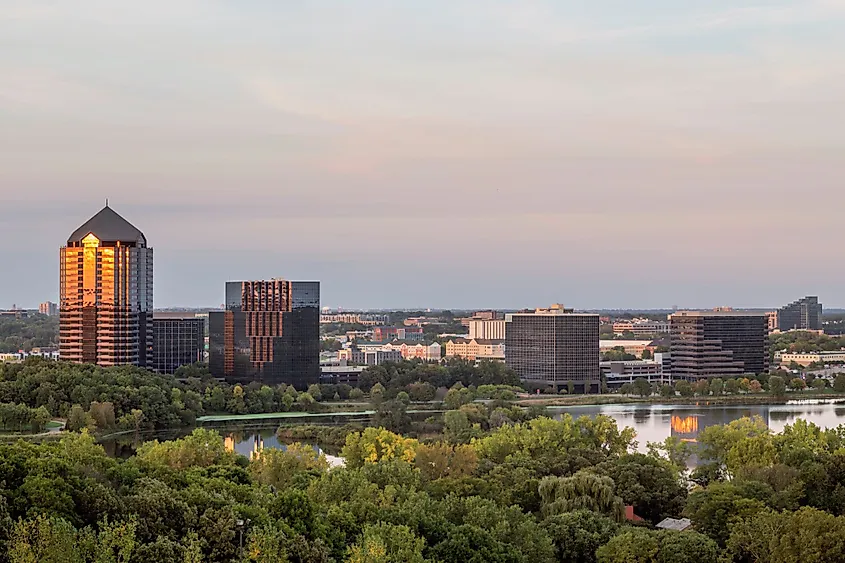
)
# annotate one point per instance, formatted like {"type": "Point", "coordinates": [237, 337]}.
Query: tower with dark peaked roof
{"type": "Point", "coordinates": [106, 293]}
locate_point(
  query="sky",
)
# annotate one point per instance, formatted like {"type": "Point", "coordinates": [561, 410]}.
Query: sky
{"type": "Point", "coordinates": [456, 154]}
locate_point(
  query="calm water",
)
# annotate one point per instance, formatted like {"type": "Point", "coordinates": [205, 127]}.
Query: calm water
{"type": "Point", "coordinates": [652, 422]}
{"type": "Point", "coordinates": [655, 422]}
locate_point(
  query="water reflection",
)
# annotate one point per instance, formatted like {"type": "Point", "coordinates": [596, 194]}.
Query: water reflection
{"type": "Point", "coordinates": [655, 423]}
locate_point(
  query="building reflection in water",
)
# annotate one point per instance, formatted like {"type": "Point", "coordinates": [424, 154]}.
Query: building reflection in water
{"type": "Point", "coordinates": [685, 428]}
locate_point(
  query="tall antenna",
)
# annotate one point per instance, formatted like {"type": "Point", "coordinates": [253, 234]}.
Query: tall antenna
{"type": "Point", "coordinates": [107, 202]}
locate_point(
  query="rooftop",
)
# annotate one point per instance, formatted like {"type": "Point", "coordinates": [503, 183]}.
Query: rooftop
{"type": "Point", "coordinates": [673, 524]}
{"type": "Point", "coordinates": [108, 226]}
{"type": "Point", "coordinates": [717, 314]}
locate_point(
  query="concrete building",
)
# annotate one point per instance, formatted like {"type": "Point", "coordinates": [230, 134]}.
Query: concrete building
{"type": "Point", "coordinates": [106, 294]}
{"type": "Point", "coordinates": [634, 347]}
{"type": "Point", "coordinates": [417, 351]}
{"type": "Point", "coordinates": [365, 319]}
{"type": "Point", "coordinates": [726, 344]}
{"type": "Point", "coordinates": [390, 333]}
{"type": "Point", "coordinates": [553, 347]}
{"type": "Point", "coordinates": [484, 329]}
{"type": "Point", "coordinates": [805, 359]}
{"type": "Point", "coordinates": [48, 308]}
{"type": "Point", "coordinates": [617, 374]}
{"type": "Point", "coordinates": [641, 327]}
{"type": "Point", "coordinates": [475, 349]}
{"type": "Point", "coordinates": [369, 357]}
{"type": "Point", "coordinates": [804, 314]}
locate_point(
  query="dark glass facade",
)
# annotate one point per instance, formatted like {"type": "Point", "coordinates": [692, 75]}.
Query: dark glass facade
{"type": "Point", "coordinates": [804, 314]}
{"type": "Point", "coordinates": [106, 294]}
{"type": "Point", "coordinates": [554, 348]}
{"type": "Point", "coordinates": [718, 344]}
{"type": "Point", "coordinates": [177, 343]}
{"type": "Point", "coordinates": [269, 332]}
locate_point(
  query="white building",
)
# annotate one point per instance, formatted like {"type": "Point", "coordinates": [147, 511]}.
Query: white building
{"type": "Point", "coordinates": [482, 329]}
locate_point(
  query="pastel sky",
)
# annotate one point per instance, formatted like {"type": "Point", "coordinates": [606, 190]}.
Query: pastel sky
{"type": "Point", "coordinates": [461, 153]}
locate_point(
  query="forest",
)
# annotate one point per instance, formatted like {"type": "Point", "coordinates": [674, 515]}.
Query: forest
{"type": "Point", "coordinates": [538, 491]}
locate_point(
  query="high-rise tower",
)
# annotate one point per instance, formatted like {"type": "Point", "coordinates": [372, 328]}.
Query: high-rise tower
{"type": "Point", "coordinates": [106, 294]}
{"type": "Point", "coordinates": [269, 332]}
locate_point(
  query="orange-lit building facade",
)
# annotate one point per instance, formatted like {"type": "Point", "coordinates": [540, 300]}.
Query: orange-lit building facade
{"type": "Point", "coordinates": [106, 294]}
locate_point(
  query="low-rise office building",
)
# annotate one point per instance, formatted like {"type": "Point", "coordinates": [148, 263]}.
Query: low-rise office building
{"type": "Point", "coordinates": [806, 359]}
{"type": "Point", "coordinates": [633, 347]}
{"type": "Point", "coordinates": [641, 327]}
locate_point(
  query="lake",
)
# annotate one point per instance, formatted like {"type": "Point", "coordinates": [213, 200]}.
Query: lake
{"type": "Point", "coordinates": [656, 422]}
{"type": "Point", "coordinates": [652, 422]}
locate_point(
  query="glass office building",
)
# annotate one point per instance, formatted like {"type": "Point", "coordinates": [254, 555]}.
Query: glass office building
{"type": "Point", "coordinates": [269, 332]}
{"type": "Point", "coordinates": [106, 294]}
{"type": "Point", "coordinates": [804, 314]}
{"type": "Point", "coordinates": [725, 344]}
{"type": "Point", "coordinates": [554, 347]}
{"type": "Point", "coordinates": [177, 342]}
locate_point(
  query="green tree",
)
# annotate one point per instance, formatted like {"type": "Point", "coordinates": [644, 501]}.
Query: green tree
{"type": "Point", "coordinates": [716, 386]}
{"type": "Point", "coordinates": [582, 491]}
{"type": "Point", "coordinates": [77, 419]}
{"type": "Point", "coordinates": [686, 547]}
{"type": "Point", "coordinates": [44, 540]}
{"type": "Point", "coordinates": [634, 546]}
{"type": "Point", "coordinates": [305, 401]}
{"type": "Point", "coordinates": [650, 485]}
{"type": "Point", "coordinates": [731, 386]}
{"type": "Point", "coordinates": [387, 543]}
{"type": "Point", "coordinates": [808, 535]}
{"type": "Point", "coordinates": [377, 393]}
{"type": "Point", "coordinates": [684, 388]}
{"type": "Point", "coordinates": [577, 535]}
{"type": "Point", "coordinates": [777, 386]}
{"type": "Point", "coordinates": [797, 384]}
{"type": "Point", "coordinates": [279, 467]}
{"type": "Point", "coordinates": [642, 387]}
{"type": "Point", "coordinates": [819, 384]}
{"type": "Point", "coordinates": [839, 383]}
{"type": "Point", "coordinates": [39, 419]}
{"type": "Point", "coordinates": [667, 391]}
{"type": "Point", "coordinates": [719, 507]}
{"type": "Point", "coordinates": [315, 392]}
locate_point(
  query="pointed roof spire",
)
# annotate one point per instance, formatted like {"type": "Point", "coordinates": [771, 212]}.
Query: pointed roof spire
{"type": "Point", "coordinates": [108, 226]}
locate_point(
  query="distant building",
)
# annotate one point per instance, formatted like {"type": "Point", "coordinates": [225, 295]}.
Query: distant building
{"type": "Point", "coordinates": [633, 347]}
{"type": "Point", "coordinates": [417, 351]}
{"type": "Point", "coordinates": [805, 359]}
{"type": "Point", "coordinates": [482, 316]}
{"type": "Point", "coordinates": [475, 349]}
{"type": "Point", "coordinates": [804, 314]}
{"type": "Point", "coordinates": [177, 342]}
{"type": "Point", "coordinates": [106, 294]}
{"type": "Point", "coordinates": [554, 346]}
{"type": "Point", "coordinates": [48, 308]}
{"type": "Point", "coordinates": [641, 327]}
{"type": "Point", "coordinates": [617, 374]}
{"type": "Point", "coordinates": [484, 329]}
{"type": "Point", "coordinates": [365, 319]}
{"type": "Point", "coordinates": [269, 332]}
{"type": "Point", "coordinates": [725, 344]}
{"type": "Point", "coordinates": [772, 320]}
{"type": "Point", "coordinates": [368, 356]}
{"type": "Point", "coordinates": [390, 333]}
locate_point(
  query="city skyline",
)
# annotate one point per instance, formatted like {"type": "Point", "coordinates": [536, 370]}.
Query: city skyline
{"type": "Point", "coordinates": [516, 154]}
